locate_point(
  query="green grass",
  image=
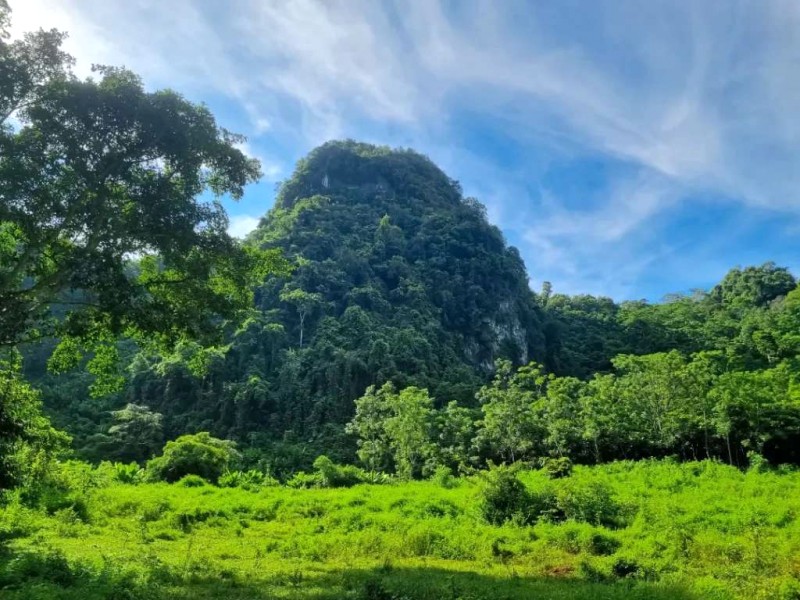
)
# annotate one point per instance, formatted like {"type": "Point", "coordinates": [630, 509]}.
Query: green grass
{"type": "Point", "coordinates": [684, 531]}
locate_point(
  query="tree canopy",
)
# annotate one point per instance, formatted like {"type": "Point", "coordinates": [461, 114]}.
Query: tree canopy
{"type": "Point", "coordinates": [110, 225]}
{"type": "Point", "coordinates": [104, 228]}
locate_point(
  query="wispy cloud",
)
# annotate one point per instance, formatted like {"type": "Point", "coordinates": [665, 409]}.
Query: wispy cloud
{"type": "Point", "coordinates": [241, 225]}
{"type": "Point", "coordinates": [699, 101]}
{"type": "Point", "coordinates": [600, 251]}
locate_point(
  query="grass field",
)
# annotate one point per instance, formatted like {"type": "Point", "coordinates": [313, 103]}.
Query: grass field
{"type": "Point", "coordinates": [625, 530]}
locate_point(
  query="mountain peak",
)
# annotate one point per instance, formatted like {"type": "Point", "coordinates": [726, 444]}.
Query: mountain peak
{"type": "Point", "coordinates": [347, 166]}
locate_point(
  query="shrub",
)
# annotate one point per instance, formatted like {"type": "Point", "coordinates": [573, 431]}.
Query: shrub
{"type": "Point", "coordinates": [576, 538]}
{"type": "Point", "coordinates": [329, 474]}
{"type": "Point", "coordinates": [302, 479]}
{"type": "Point", "coordinates": [625, 567]}
{"type": "Point", "coordinates": [192, 481]}
{"type": "Point", "coordinates": [504, 497]}
{"type": "Point", "coordinates": [198, 454]}
{"type": "Point", "coordinates": [756, 462]}
{"type": "Point", "coordinates": [443, 476]}
{"type": "Point", "coordinates": [251, 480]}
{"type": "Point", "coordinates": [543, 504]}
{"type": "Point", "coordinates": [130, 473]}
{"type": "Point", "coordinates": [75, 476]}
{"type": "Point", "coordinates": [556, 468]}
{"type": "Point", "coordinates": [16, 520]}
{"type": "Point", "coordinates": [589, 502]}
{"type": "Point", "coordinates": [48, 565]}
{"type": "Point", "coordinates": [376, 477]}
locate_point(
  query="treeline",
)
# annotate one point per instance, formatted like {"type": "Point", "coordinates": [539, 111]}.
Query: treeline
{"type": "Point", "coordinates": [655, 405]}
{"type": "Point", "coordinates": [372, 267]}
{"type": "Point", "coordinates": [711, 374]}
{"type": "Point", "coordinates": [728, 387]}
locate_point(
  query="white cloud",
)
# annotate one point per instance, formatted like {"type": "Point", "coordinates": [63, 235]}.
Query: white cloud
{"type": "Point", "coordinates": [693, 96]}
{"type": "Point", "coordinates": [600, 251]}
{"type": "Point", "coordinates": [692, 91]}
{"type": "Point", "coordinates": [241, 225]}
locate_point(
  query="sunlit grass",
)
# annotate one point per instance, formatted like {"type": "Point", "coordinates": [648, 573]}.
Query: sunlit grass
{"type": "Point", "coordinates": [696, 530]}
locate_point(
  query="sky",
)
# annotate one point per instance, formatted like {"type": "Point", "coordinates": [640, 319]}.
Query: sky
{"type": "Point", "coordinates": [628, 149]}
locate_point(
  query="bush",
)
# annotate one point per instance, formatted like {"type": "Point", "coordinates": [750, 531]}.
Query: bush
{"type": "Point", "coordinates": [198, 454]}
{"type": "Point", "coordinates": [49, 565]}
{"type": "Point", "coordinates": [756, 462]}
{"type": "Point", "coordinates": [16, 520]}
{"type": "Point", "coordinates": [192, 481]}
{"type": "Point", "coordinates": [505, 498]}
{"type": "Point", "coordinates": [251, 480]}
{"type": "Point", "coordinates": [303, 480]}
{"type": "Point", "coordinates": [130, 473]}
{"type": "Point", "coordinates": [556, 468]}
{"type": "Point", "coordinates": [543, 504]}
{"type": "Point", "coordinates": [577, 538]}
{"type": "Point", "coordinates": [443, 476]}
{"type": "Point", "coordinates": [589, 502]}
{"type": "Point", "coordinates": [329, 474]}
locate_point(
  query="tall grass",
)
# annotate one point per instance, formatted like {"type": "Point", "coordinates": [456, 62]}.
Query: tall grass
{"type": "Point", "coordinates": [651, 529]}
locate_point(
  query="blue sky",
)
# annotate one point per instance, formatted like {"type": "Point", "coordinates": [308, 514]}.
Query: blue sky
{"type": "Point", "coordinates": [627, 148]}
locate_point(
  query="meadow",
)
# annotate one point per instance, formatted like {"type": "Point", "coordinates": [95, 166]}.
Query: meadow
{"type": "Point", "coordinates": [648, 529]}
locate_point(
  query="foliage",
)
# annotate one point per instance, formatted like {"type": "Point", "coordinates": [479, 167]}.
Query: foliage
{"type": "Point", "coordinates": [28, 442]}
{"type": "Point", "coordinates": [509, 425]}
{"type": "Point", "coordinates": [505, 498]}
{"type": "Point", "coordinates": [137, 432]}
{"type": "Point", "coordinates": [397, 278]}
{"type": "Point", "coordinates": [556, 468]}
{"type": "Point", "coordinates": [247, 480]}
{"type": "Point", "coordinates": [690, 531]}
{"type": "Point", "coordinates": [98, 171]}
{"type": "Point", "coordinates": [706, 375]}
{"type": "Point", "coordinates": [395, 428]}
{"type": "Point", "coordinates": [332, 475]}
{"type": "Point", "coordinates": [197, 454]}
{"type": "Point", "coordinates": [130, 473]}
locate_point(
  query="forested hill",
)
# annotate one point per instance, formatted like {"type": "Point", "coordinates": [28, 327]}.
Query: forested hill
{"type": "Point", "coordinates": [401, 277]}
{"type": "Point", "coordinates": [398, 277]}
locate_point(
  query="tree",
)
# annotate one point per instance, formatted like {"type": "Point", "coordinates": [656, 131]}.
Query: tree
{"type": "Point", "coordinates": [99, 172]}
{"type": "Point", "coordinates": [304, 302]}
{"type": "Point", "coordinates": [394, 429]}
{"type": "Point", "coordinates": [510, 428]}
{"type": "Point", "coordinates": [27, 440]}
{"type": "Point", "coordinates": [754, 286]}
{"type": "Point", "coordinates": [368, 424]}
{"type": "Point", "coordinates": [600, 425]}
{"type": "Point", "coordinates": [561, 408]}
{"type": "Point", "coordinates": [787, 325]}
{"type": "Point", "coordinates": [752, 406]}
{"type": "Point", "coordinates": [654, 393]}
{"type": "Point", "coordinates": [137, 432]}
{"type": "Point", "coordinates": [102, 232]}
{"type": "Point", "coordinates": [456, 436]}
{"type": "Point", "coordinates": [5, 21]}
{"type": "Point", "coordinates": [409, 430]}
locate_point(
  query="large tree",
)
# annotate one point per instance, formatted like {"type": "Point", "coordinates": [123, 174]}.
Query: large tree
{"type": "Point", "coordinates": [110, 222]}
{"type": "Point", "coordinates": [110, 219]}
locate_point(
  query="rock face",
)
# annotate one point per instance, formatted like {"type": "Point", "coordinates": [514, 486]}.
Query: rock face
{"type": "Point", "coordinates": [399, 278]}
